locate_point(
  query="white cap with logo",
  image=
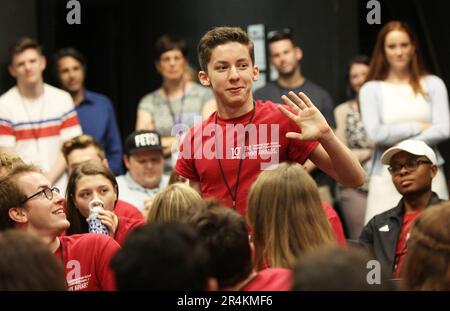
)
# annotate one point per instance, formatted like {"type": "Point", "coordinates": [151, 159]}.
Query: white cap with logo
{"type": "Point", "coordinates": [415, 147]}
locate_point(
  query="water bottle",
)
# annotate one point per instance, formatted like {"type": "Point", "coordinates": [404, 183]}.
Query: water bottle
{"type": "Point", "coordinates": [95, 225]}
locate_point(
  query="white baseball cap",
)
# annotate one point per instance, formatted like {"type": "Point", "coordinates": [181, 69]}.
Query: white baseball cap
{"type": "Point", "coordinates": [415, 147]}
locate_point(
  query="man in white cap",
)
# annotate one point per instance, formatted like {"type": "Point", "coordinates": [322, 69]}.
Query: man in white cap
{"type": "Point", "coordinates": [412, 165]}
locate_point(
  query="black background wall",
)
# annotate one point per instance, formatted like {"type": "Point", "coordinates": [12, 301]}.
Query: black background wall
{"type": "Point", "coordinates": [117, 36]}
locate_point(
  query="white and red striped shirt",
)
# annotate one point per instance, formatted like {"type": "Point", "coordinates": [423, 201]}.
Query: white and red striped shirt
{"type": "Point", "coordinates": [36, 129]}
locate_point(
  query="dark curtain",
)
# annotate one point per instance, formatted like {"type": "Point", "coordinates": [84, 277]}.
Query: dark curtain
{"type": "Point", "coordinates": [117, 37]}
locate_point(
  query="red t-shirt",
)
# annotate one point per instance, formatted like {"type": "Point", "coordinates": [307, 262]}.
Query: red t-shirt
{"type": "Point", "coordinates": [125, 226]}
{"type": "Point", "coordinates": [265, 145]}
{"type": "Point", "coordinates": [402, 245]}
{"type": "Point", "coordinates": [335, 222]}
{"type": "Point", "coordinates": [86, 260]}
{"type": "Point", "coordinates": [129, 219]}
{"type": "Point", "coordinates": [270, 279]}
{"type": "Point", "coordinates": [123, 208]}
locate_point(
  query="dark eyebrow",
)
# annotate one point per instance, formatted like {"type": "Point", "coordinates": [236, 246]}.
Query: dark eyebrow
{"type": "Point", "coordinates": [221, 62]}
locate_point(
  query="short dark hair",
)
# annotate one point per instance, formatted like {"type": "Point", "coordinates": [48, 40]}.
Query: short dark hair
{"type": "Point", "coordinates": [218, 36]}
{"type": "Point", "coordinates": [357, 59]}
{"type": "Point", "coordinates": [68, 52]}
{"type": "Point", "coordinates": [162, 257]}
{"type": "Point", "coordinates": [169, 42]}
{"type": "Point", "coordinates": [11, 194]}
{"type": "Point", "coordinates": [72, 52]}
{"type": "Point", "coordinates": [22, 44]}
{"type": "Point", "coordinates": [26, 263]}
{"type": "Point", "coordinates": [225, 234]}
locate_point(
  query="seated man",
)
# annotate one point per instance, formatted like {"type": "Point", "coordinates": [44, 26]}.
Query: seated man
{"type": "Point", "coordinates": [145, 164]}
{"type": "Point", "coordinates": [225, 234]}
{"type": "Point", "coordinates": [412, 165]}
{"type": "Point", "coordinates": [85, 148]}
{"type": "Point", "coordinates": [29, 203]}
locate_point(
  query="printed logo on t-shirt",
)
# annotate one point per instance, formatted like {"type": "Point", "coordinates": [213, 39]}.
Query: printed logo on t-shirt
{"type": "Point", "coordinates": [263, 151]}
{"type": "Point", "coordinates": [75, 281]}
{"type": "Point", "coordinates": [215, 142]}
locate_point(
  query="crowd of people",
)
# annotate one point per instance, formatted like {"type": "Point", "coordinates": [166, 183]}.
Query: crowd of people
{"type": "Point", "coordinates": [224, 187]}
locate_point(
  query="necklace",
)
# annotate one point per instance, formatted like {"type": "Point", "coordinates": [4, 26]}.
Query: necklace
{"type": "Point", "coordinates": [175, 120]}
{"type": "Point", "coordinates": [250, 279]}
{"type": "Point", "coordinates": [35, 130]}
{"type": "Point", "coordinates": [232, 194]}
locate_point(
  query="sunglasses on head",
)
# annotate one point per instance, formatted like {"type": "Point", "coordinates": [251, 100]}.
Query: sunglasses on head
{"type": "Point", "coordinates": [280, 32]}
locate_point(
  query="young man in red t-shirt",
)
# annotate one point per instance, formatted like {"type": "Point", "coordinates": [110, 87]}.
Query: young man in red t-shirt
{"type": "Point", "coordinates": [412, 165]}
{"type": "Point", "coordinates": [223, 155]}
{"type": "Point", "coordinates": [28, 203]}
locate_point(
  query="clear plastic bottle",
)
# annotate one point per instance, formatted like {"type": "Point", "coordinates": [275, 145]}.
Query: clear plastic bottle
{"type": "Point", "coordinates": [95, 225]}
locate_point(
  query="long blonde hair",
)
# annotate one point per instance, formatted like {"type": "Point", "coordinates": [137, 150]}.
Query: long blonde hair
{"type": "Point", "coordinates": [427, 263]}
{"type": "Point", "coordinates": [286, 216]}
{"type": "Point", "coordinates": [172, 203]}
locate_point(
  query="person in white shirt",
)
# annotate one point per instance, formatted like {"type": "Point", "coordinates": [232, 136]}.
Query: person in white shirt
{"type": "Point", "coordinates": [36, 118]}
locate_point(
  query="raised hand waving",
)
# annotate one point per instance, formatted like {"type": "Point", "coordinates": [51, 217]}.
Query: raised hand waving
{"type": "Point", "coordinates": [312, 123]}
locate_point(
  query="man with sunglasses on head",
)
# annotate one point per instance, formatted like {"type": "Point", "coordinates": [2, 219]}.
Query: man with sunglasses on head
{"type": "Point", "coordinates": [285, 56]}
{"type": "Point", "coordinates": [29, 203]}
{"type": "Point", "coordinates": [412, 165]}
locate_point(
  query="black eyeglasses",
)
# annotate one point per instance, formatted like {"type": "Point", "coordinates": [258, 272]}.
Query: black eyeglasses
{"type": "Point", "coordinates": [410, 166]}
{"type": "Point", "coordinates": [48, 193]}
{"type": "Point", "coordinates": [283, 33]}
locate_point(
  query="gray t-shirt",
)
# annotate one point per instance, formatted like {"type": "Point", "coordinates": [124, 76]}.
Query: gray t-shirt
{"type": "Point", "coordinates": [322, 100]}
{"type": "Point", "coordinates": [186, 109]}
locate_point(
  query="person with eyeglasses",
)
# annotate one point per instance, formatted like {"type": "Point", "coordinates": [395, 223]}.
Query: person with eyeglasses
{"type": "Point", "coordinates": [285, 55]}
{"type": "Point", "coordinates": [29, 203]}
{"type": "Point", "coordinates": [412, 166]}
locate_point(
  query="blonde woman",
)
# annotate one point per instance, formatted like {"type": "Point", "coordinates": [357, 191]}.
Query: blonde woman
{"type": "Point", "coordinates": [286, 216]}
{"type": "Point", "coordinates": [172, 203]}
{"type": "Point", "coordinates": [427, 263]}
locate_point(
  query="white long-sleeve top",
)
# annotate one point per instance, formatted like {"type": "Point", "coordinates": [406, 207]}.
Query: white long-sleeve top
{"type": "Point", "coordinates": [391, 113]}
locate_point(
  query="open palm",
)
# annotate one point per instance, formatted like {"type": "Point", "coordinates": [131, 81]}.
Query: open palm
{"type": "Point", "coordinates": [310, 120]}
